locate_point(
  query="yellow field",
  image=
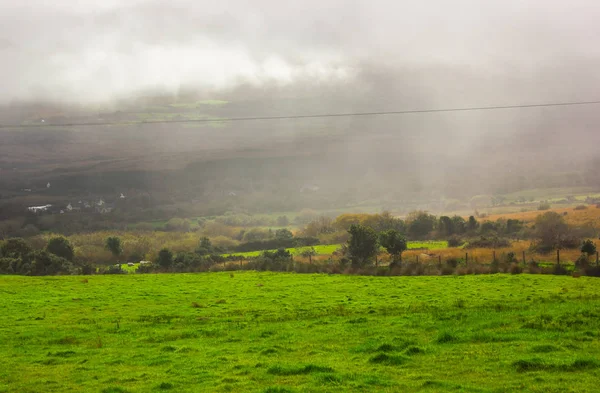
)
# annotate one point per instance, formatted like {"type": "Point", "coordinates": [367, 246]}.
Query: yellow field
{"type": "Point", "coordinates": [589, 216]}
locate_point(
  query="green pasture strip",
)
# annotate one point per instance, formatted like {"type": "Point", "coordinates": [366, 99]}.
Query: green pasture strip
{"type": "Point", "coordinates": [270, 332]}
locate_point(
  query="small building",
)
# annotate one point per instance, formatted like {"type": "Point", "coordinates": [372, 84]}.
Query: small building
{"type": "Point", "coordinates": [39, 209]}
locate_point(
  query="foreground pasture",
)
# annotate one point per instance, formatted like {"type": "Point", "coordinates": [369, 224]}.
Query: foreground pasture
{"type": "Point", "coordinates": [268, 332]}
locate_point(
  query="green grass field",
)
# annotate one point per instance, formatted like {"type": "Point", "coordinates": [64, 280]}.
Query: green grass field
{"type": "Point", "coordinates": [329, 249]}
{"type": "Point", "coordinates": [268, 332]}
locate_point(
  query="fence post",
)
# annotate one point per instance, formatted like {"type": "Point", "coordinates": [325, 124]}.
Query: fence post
{"type": "Point", "coordinates": [241, 261]}
{"type": "Point", "coordinates": [558, 256]}
{"type": "Point", "coordinates": [524, 259]}
{"type": "Point", "coordinates": [466, 258]}
{"type": "Point", "coordinates": [597, 257]}
{"type": "Point", "coordinates": [440, 260]}
{"type": "Point", "coordinates": [417, 258]}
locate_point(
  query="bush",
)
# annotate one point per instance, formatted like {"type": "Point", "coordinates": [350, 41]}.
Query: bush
{"type": "Point", "coordinates": [580, 207]}
{"type": "Point", "coordinates": [165, 258]}
{"type": "Point", "coordinates": [515, 269]}
{"type": "Point", "coordinates": [488, 242]}
{"type": "Point", "coordinates": [544, 206]}
{"type": "Point", "coordinates": [582, 261]}
{"type": "Point", "coordinates": [559, 270]}
{"type": "Point", "coordinates": [61, 247]}
{"type": "Point", "coordinates": [455, 241]}
{"type": "Point", "coordinates": [588, 247]}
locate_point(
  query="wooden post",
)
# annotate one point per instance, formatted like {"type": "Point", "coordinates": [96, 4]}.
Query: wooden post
{"type": "Point", "coordinates": [241, 261]}
{"type": "Point", "coordinates": [597, 257]}
{"type": "Point", "coordinates": [524, 259]}
{"type": "Point", "coordinates": [417, 258]}
{"type": "Point", "coordinates": [466, 258]}
{"type": "Point", "coordinates": [558, 256]}
{"type": "Point", "coordinates": [494, 253]}
{"type": "Point", "coordinates": [440, 260]}
{"type": "Point", "coordinates": [376, 261]}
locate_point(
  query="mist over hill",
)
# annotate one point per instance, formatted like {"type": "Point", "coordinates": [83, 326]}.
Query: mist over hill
{"type": "Point", "coordinates": [89, 62]}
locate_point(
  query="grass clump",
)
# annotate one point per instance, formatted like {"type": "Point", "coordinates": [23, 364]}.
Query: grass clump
{"type": "Point", "coordinates": [388, 360]}
{"type": "Point", "coordinates": [546, 348]}
{"type": "Point", "coordinates": [446, 338]}
{"type": "Point", "coordinates": [303, 370]}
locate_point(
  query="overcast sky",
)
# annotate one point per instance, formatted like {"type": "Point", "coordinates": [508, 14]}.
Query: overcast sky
{"type": "Point", "coordinates": [473, 51]}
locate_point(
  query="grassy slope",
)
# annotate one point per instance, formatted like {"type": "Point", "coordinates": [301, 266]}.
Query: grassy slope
{"type": "Point", "coordinates": [311, 333]}
{"type": "Point", "coordinates": [329, 249]}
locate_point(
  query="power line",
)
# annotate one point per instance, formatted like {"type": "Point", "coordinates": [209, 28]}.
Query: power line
{"type": "Point", "coordinates": [313, 116]}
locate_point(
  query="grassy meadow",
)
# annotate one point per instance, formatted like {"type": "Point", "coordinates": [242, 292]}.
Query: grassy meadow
{"type": "Point", "coordinates": [268, 332]}
{"type": "Point", "coordinates": [329, 249]}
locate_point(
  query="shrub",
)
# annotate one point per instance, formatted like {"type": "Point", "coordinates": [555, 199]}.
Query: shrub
{"type": "Point", "coordinates": [559, 270]}
{"type": "Point", "coordinates": [488, 242]}
{"type": "Point", "coordinates": [114, 269]}
{"type": "Point", "coordinates": [582, 261]}
{"type": "Point", "coordinates": [515, 269]}
{"type": "Point", "coordinates": [455, 241]}
{"type": "Point", "coordinates": [580, 207]}
{"type": "Point", "coordinates": [61, 247]}
{"type": "Point", "coordinates": [165, 258]}
{"type": "Point", "coordinates": [588, 247]}
{"type": "Point", "coordinates": [544, 206]}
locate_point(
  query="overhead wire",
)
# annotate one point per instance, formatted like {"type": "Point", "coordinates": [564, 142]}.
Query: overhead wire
{"type": "Point", "coordinates": [303, 116]}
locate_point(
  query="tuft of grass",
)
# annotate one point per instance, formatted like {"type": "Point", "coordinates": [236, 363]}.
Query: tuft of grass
{"type": "Point", "coordinates": [547, 348]}
{"type": "Point", "coordinates": [165, 386]}
{"type": "Point", "coordinates": [389, 360]}
{"type": "Point", "coordinates": [277, 389]}
{"type": "Point", "coordinates": [114, 389]}
{"type": "Point", "coordinates": [413, 350]}
{"type": "Point", "coordinates": [303, 370]}
{"type": "Point", "coordinates": [446, 338]}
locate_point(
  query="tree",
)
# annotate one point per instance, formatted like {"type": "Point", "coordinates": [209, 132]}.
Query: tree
{"type": "Point", "coordinates": [308, 253]}
{"type": "Point", "coordinates": [551, 230]}
{"type": "Point", "coordinates": [15, 248]}
{"type": "Point", "coordinates": [205, 246]}
{"type": "Point", "coordinates": [113, 244]}
{"type": "Point", "coordinates": [165, 258]}
{"type": "Point", "coordinates": [283, 221]}
{"type": "Point", "coordinates": [61, 247]}
{"type": "Point", "coordinates": [588, 247]}
{"type": "Point", "coordinates": [472, 224]}
{"type": "Point", "coordinates": [362, 245]}
{"type": "Point", "coordinates": [446, 226]}
{"type": "Point", "coordinates": [420, 224]}
{"type": "Point", "coordinates": [395, 244]}
{"type": "Point", "coordinates": [283, 234]}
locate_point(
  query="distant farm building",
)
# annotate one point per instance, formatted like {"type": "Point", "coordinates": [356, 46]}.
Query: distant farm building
{"type": "Point", "coordinates": [39, 209]}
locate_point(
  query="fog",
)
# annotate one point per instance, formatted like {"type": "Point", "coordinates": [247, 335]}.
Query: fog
{"type": "Point", "coordinates": [276, 58]}
{"type": "Point", "coordinates": [459, 52]}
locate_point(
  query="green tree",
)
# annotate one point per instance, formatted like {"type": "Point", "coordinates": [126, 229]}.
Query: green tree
{"type": "Point", "coordinates": [309, 253]}
{"type": "Point", "coordinates": [395, 244]}
{"type": "Point", "coordinates": [283, 221]}
{"type": "Point", "coordinates": [205, 246]}
{"type": "Point", "coordinates": [362, 245]}
{"type": "Point", "coordinates": [283, 234]}
{"type": "Point", "coordinates": [459, 224]}
{"type": "Point", "coordinates": [113, 244]}
{"type": "Point", "coordinates": [420, 224]}
{"type": "Point", "coordinates": [472, 224]}
{"type": "Point", "coordinates": [15, 248]}
{"type": "Point", "coordinates": [446, 226]}
{"type": "Point", "coordinates": [551, 230]}
{"type": "Point", "coordinates": [165, 258]}
{"type": "Point", "coordinates": [61, 247]}
{"type": "Point", "coordinates": [588, 247]}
